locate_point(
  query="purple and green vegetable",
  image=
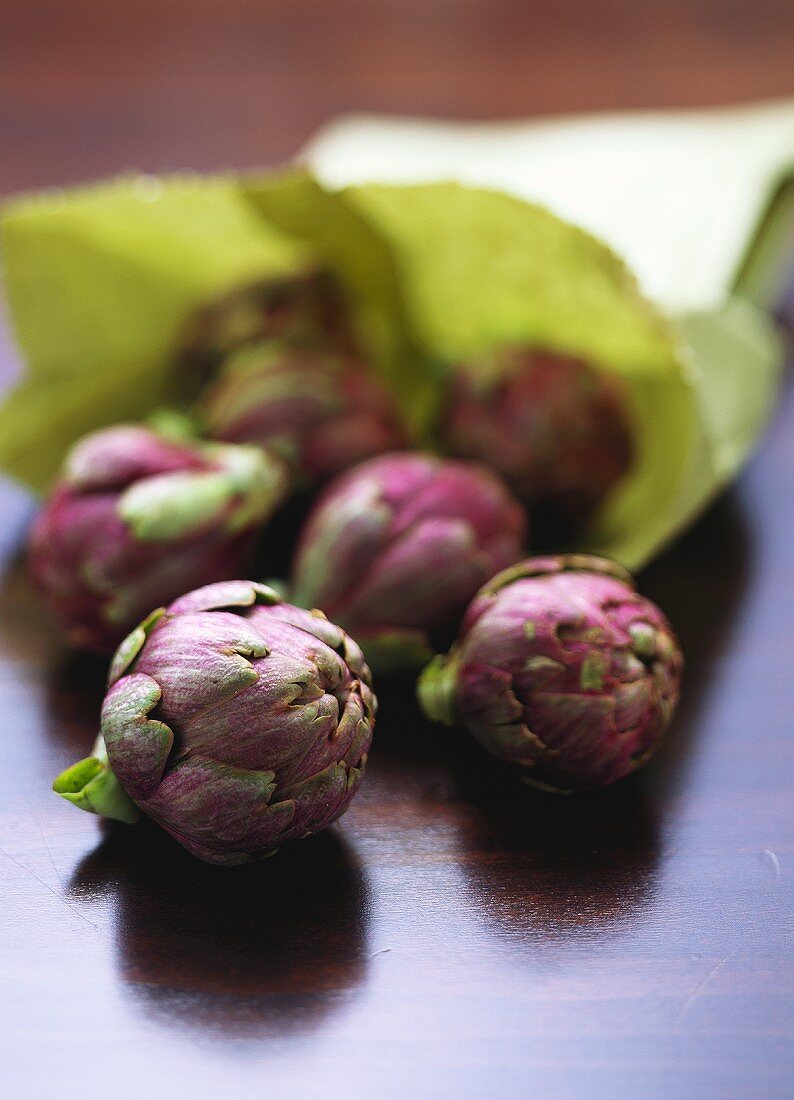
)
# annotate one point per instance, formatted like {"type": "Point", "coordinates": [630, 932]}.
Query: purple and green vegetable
{"type": "Point", "coordinates": [395, 549]}
{"type": "Point", "coordinates": [562, 670]}
{"type": "Point", "coordinates": [136, 517]}
{"type": "Point", "coordinates": [304, 308]}
{"type": "Point", "coordinates": [554, 428]}
{"type": "Point", "coordinates": [318, 409]}
{"type": "Point", "coordinates": [235, 721]}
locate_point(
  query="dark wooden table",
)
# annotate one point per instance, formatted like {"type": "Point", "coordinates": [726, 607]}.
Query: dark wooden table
{"type": "Point", "coordinates": [456, 936]}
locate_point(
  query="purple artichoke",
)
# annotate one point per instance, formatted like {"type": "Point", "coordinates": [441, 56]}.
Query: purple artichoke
{"type": "Point", "coordinates": [396, 548]}
{"type": "Point", "coordinates": [554, 428]}
{"type": "Point", "coordinates": [235, 721]}
{"type": "Point", "coordinates": [321, 411]}
{"type": "Point", "coordinates": [307, 308]}
{"type": "Point", "coordinates": [137, 518]}
{"type": "Point", "coordinates": [562, 670]}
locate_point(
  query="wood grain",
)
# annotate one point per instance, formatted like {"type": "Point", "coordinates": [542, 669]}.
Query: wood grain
{"type": "Point", "coordinates": [456, 936]}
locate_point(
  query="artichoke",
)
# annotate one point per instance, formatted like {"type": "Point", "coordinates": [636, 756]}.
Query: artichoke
{"type": "Point", "coordinates": [562, 670]}
{"type": "Point", "coordinates": [554, 428]}
{"type": "Point", "coordinates": [396, 547]}
{"type": "Point", "coordinates": [137, 517]}
{"type": "Point", "coordinates": [320, 410]}
{"type": "Point", "coordinates": [307, 308]}
{"type": "Point", "coordinates": [235, 721]}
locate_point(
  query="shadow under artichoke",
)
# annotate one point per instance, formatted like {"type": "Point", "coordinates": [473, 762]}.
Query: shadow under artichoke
{"type": "Point", "coordinates": [553, 869]}
{"type": "Point", "coordinates": [276, 543]}
{"type": "Point", "coordinates": [700, 583]}
{"type": "Point", "coordinates": [256, 952]}
{"type": "Point", "coordinates": [541, 867]}
{"type": "Point", "coordinates": [75, 687]}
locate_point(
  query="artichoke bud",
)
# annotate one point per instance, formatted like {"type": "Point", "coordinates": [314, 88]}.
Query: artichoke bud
{"type": "Point", "coordinates": [234, 720]}
{"type": "Point", "coordinates": [554, 427]}
{"type": "Point", "coordinates": [137, 517]}
{"type": "Point", "coordinates": [562, 670]}
{"type": "Point", "coordinates": [395, 549]}
{"type": "Point", "coordinates": [320, 409]}
{"type": "Point", "coordinates": [303, 308]}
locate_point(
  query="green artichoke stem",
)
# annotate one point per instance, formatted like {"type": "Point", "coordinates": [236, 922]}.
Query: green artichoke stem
{"type": "Point", "coordinates": [435, 689]}
{"type": "Point", "coordinates": [91, 786]}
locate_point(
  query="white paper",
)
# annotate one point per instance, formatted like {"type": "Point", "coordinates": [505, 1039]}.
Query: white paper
{"type": "Point", "coordinates": [678, 195]}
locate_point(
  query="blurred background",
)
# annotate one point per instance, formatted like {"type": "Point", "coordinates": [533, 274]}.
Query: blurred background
{"type": "Point", "coordinates": [89, 87]}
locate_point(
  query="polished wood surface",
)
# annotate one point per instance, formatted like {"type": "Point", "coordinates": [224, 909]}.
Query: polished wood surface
{"type": "Point", "coordinates": [455, 935]}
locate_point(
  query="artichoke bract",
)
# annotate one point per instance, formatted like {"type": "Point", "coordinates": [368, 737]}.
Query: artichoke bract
{"type": "Point", "coordinates": [561, 669]}
{"type": "Point", "coordinates": [554, 428]}
{"type": "Point", "coordinates": [396, 547]}
{"type": "Point", "coordinates": [234, 720]}
{"type": "Point", "coordinates": [136, 518]}
{"type": "Point", "coordinates": [321, 410]}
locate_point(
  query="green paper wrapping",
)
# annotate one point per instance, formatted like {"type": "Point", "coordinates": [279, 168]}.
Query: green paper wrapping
{"type": "Point", "coordinates": [481, 268]}
{"type": "Point", "coordinates": [343, 240]}
{"type": "Point", "coordinates": [101, 281]}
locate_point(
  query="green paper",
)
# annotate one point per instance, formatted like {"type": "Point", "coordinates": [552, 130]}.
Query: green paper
{"type": "Point", "coordinates": [482, 268]}
{"type": "Point", "coordinates": [100, 282]}
{"type": "Point", "coordinates": [346, 242]}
